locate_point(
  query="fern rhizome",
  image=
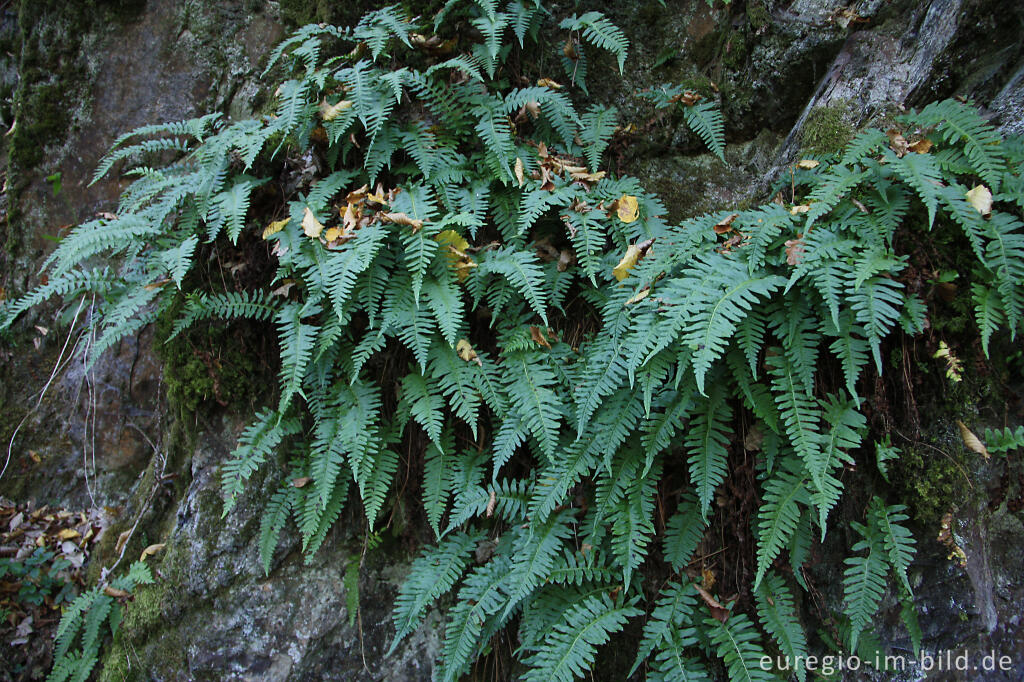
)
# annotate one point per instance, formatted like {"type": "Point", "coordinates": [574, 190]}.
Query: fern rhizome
{"type": "Point", "coordinates": [458, 278]}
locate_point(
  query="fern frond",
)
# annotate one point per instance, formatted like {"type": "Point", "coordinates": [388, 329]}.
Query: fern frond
{"type": "Point", "coordinates": [434, 573]}
{"type": "Point", "coordinates": [739, 646]}
{"type": "Point", "coordinates": [570, 647]}
{"type": "Point", "coordinates": [863, 582]}
{"type": "Point", "coordinates": [705, 119]}
{"type": "Point", "coordinates": [784, 493]}
{"type": "Point", "coordinates": [600, 32]}
{"type": "Point", "coordinates": [778, 615]}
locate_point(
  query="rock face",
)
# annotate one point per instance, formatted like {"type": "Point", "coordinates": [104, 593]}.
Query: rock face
{"type": "Point", "coordinates": [790, 76]}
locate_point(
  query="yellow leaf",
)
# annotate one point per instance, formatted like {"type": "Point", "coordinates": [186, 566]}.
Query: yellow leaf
{"type": "Point", "coordinates": [330, 112]}
{"type": "Point", "coordinates": [455, 254]}
{"type": "Point", "coordinates": [310, 225]}
{"type": "Point", "coordinates": [981, 199]}
{"type": "Point", "coordinates": [621, 271]}
{"type": "Point", "coordinates": [275, 227]}
{"type": "Point", "coordinates": [332, 233]}
{"type": "Point", "coordinates": [629, 209]}
{"type": "Point", "coordinates": [466, 352]}
{"type": "Point", "coordinates": [68, 534]}
{"type": "Point", "coordinates": [807, 164]}
{"type": "Point", "coordinates": [972, 441]}
{"type": "Point", "coordinates": [802, 208]}
{"type": "Point", "coordinates": [520, 171]}
{"type": "Point", "coordinates": [151, 550]}
{"type": "Point", "coordinates": [548, 83]}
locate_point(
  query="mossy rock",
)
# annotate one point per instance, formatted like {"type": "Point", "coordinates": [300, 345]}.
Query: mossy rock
{"type": "Point", "coordinates": [826, 130]}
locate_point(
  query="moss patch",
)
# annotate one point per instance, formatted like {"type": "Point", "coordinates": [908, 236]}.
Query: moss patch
{"type": "Point", "coordinates": [826, 130]}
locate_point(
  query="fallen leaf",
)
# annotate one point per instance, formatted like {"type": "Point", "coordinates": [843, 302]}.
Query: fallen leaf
{"type": "Point", "coordinates": [456, 253]}
{"type": "Point", "coordinates": [492, 502]}
{"type": "Point", "coordinates": [802, 208]}
{"type": "Point", "coordinates": [719, 612]}
{"type": "Point", "coordinates": [301, 482]}
{"type": "Point", "coordinates": [332, 233]}
{"type": "Point", "coordinates": [629, 260]}
{"type": "Point", "coordinates": [466, 352]}
{"type": "Point", "coordinates": [981, 199]}
{"type": "Point", "coordinates": [520, 171]}
{"type": "Point", "coordinates": [569, 49]}
{"type": "Point", "coordinates": [34, 456]}
{"type": "Point", "coordinates": [537, 334]}
{"type": "Point", "coordinates": [310, 225]}
{"type": "Point", "coordinates": [548, 83]}
{"type": "Point", "coordinates": [922, 146]}
{"type": "Point", "coordinates": [628, 209]}
{"type": "Point", "coordinates": [68, 534]}
{"type": "Point", "coordinates": [807, 164]}
{"type": "Point", "coordinates": [115, 593]}
{"type": "Point", "coordinates": [122, 539]}
{"type": "Point", "coordinates": [403, 219]}
{"type": "Point", "coordinates": [725, 224]}
{"type": "Point", "coordinates": [565, 259]}
{"type": "Point", "coordinates": [794, 250]}
{"type": "Point", "coordinates": [897, 142]}
{"type": "Point", "coordinates": [329, 112]}
{"type": "Point", "coordinates": [971, 441]}
{"type": "Point", "coordinates": [284, 288]}
{"type": "Point", "coordinates": [151, 550]}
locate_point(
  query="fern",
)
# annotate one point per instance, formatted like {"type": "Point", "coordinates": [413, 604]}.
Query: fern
{"type": "Point", "coordinates": [863, 581]}
{"type": "Point", "coordinates": [570, 646]}
{"type": "Point", "coordinates": [739, 646]}
{"type": "Point", "coordinates": [459, 276]}
{"type": "Point", "coordinates": [706, 120]}
{"type": "Point", "coordinates": [433, 573]}
{"type": "Point", "coordinates": [778, 616]}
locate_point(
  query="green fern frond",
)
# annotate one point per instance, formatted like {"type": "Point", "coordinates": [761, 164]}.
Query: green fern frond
{"type": "Point", "coordinates": [570, 646]}
{"type": "Point", "coordinates": [778, 615]}
{"type": "Point", "coordinates": [434, 573]}
{"type": "Point", "coordinates": [739, 646]}
{"type": "Point", "coordinates": [784, 493]}
{"type": "Point", "coordinates": [705, 119]}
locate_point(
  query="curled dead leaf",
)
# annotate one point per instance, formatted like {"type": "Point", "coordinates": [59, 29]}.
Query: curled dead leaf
{"type": "Point", "coordinates": [310, 225]}
{"type": "Point", "coordinates": [122, 540]}
{"type": "Point", "coordinates": [466, 352]}
{"type": "Point", "coordinates": [980, 197]}
{"type": "Point", "coordinates": [548, 83]}
{"type": "Point", "coordinates": [492, 502]}
{"type": "Point", "coordinates": [537, 334]}
{"type": "Point", "coordinates": [797, 210]}
{"type": "Point", "coordinates": [718, 612]}
{"type": "Point", "coordinates": [520, 171]}
{"type": "Point", "coordinates": [329, 112]}
{"type": "Point", "coordinates": [115, 593]}
{"type": "Point", "coordinates": [151, 550]}
{"type": "Point", "coordinates": [972, 441]}
{"type": "Point", "coordinates": [922, 146]}
{"type": "Point", "coordinates": [629, 260]}
{"type": "Point", "coordinates": [275, 227]}
{"type": "Point", "coordinates": [301, 482]}
{"type": "Point", "coordinates": [725, 224]}
{"type": "Point", "coordinates": [807, 164]}
{"type": "Point", "coordinates": [402, 219]}
{"type": "Point", "coordinates": [897, 142]}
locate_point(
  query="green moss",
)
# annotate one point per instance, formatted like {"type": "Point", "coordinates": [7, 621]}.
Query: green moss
{"type": "Point", "coordinates": [826, 130]}
{"type": "Point", "coordinates": [758, 15]}
{"type": "Point", "coordinates": [734, 53]}
{"type": "Point", "coordinates": [207, 365]}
